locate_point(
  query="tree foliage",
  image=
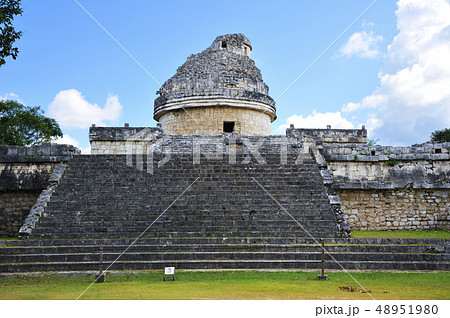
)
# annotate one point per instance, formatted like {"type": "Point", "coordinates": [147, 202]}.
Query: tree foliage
{"type": "Point", "coordinates": [25, 126]}
{"type": "Point", "coordinates": [8, 9]}
{"type": "Point", "coordinates": [441, 135]}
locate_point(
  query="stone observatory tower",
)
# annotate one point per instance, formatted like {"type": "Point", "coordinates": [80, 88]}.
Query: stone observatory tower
{"type": "Point", "coordinates": [218, 90]}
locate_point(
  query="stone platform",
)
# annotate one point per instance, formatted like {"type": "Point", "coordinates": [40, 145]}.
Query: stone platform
{"type": "Point", "coordinates": [82, 256]}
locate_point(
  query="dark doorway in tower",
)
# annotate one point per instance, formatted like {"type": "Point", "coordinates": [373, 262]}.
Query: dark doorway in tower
{"type": "Point", "coordinates": [228, 126]}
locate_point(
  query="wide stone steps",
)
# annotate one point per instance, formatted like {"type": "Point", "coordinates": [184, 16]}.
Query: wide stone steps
{"type": "Point", "coordinates": [214, 264]}
{"type": "Point", "coordinates": [106, 234]}
{"type": "Point", "coordinates": [187, 231]}
{"type": "Point", "coordinates": [187, 224]}
{"type": "Point", "coordinates": [229, 255]}
{"type": "Point", "coordinates": [100, 196]}
{"type": "Point", "coordinates": [188, 248]}
{"type": "Point", "coordinates": [223, 264]}
{"type": "Point", "coordinates": [207, 210]}
{"type": "Point", "coordinates": [223, 253]}
{"type": "Point", "coordinates": [230, 240]}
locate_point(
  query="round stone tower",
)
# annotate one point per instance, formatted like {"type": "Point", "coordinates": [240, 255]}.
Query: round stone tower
{"type": "Point", "coordinates": [218, 90]}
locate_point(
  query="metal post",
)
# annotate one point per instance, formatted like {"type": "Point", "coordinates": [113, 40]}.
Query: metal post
{"type": "Point", "coordinates": [101, 277]}
{"type": "Point", "coordinates": [101, 259]}
{"type": "Point", "coordinates": [322, 265]}
{"type": "Point", "coordinates": [323, 259]}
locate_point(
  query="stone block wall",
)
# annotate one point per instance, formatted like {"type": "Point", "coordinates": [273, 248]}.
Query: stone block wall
{"type": "Point", "coordinates": [392, 188]}
{"type": "Point", "coordinates": [329, 136]}
{"type": "Point", "coordinates": [24, 173]}
{"type": "Point", "coordinates": [14, 208]}
{"type": "Point", "coordinates": [210, 121]}
{"type": "Point", "coordinates": [25, 176]}
{"type": "Point", "coordinates": [424, 166]}
{"type": "Point", "coordinates": [38, 153]}
{"type": "Point", "coordinates": [28, 168]}
{"type": "Point", "coordinates": [396, 209]}
{"type": "Point", "coordinates": [113, 140]}
{"type": "Point", "coordinates": [107, 140]}
{"type": "Point", "coordinates": [379, 175]}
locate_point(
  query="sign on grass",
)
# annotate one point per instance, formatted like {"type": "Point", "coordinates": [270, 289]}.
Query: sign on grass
{"type": "Point", "coordinates": [169, 271]}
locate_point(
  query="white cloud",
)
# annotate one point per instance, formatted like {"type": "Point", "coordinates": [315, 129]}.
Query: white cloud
{"type": "Point", "coordinates": [373, 122]}
{"type": "Point", "coordinates": [68, 140]}
{"type": "Point", "coordinates": [11, 96]}
{"type": "Point", "coordinates": [368, 24]}
{"type": "Point", "coordinates": [316, 120]}
{"type": "Point", "coordinates": [371, 101]}
{"type": "Point", "coordinates": [361, 44]}
{"type": "Point", "coordinates": [413, 98]}
{"type": "Point", "coordinates": [71, 110]}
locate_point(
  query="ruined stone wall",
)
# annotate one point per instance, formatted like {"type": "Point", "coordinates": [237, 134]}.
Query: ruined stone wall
{"type": "Point", "coordinates": [24, 176]}
{"type": "Point", "coordinates": [113, 140]}
{"type": "Point", "coordinates": [361, 167]}
{"type": "Point", "coordinates": [392, 188]}
{"type": "Point", "coordinates": [379, 175]}
{"type": "Point", "coordinates": [20, 186]}
{"type": "Point", "coordinates": [24, 173]}
{"type": "Point", "coordinates": [14, 208]}
{"type": "Point", "coordinates": [107, 140]}
{"type": "Point", "coordinates": [396, 209]}
{"type": "Point", "coordinates": [329, 136]}
{"type": "Point", "coordinates": [28, 168]}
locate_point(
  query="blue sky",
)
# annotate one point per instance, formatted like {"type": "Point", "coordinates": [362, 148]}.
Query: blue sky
{"type": "Point", "coordinates": [390, 70]}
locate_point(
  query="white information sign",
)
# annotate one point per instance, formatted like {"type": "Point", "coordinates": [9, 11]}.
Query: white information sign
{"type": "Point", "coordinates": [169, 270]}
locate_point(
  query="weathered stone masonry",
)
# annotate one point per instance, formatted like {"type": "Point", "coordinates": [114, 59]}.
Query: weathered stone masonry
{"type": "Point", "coordinates": [392, 188]}
{"type": "Point", "coordinates": [379, 188]}
{"type": "Point", "coordinates": [219, 191]}
{"type": "Point", "coordinates": [113, 140]}
{"type": "Point", "coordinates": [24, 173]}
{"type": "Point", "coordinates": [396, 209]}
{"type": "Point", "coordinates": [217, 90]}
{"type": "Point", "coordinates": [14, 208]}
{"type": "Point", "coordinates": [218, 102]}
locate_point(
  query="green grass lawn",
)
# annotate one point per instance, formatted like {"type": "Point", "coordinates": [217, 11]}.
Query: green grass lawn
{"type": "Point", "coordinates": [232, 285]}
{"type": "Point", "coordinates": [402, 234]}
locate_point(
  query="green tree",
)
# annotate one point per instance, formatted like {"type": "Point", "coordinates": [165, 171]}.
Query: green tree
{"type": "Point", "coordinates": [441, 135]}
{"type": "Point", "coordinates": [8, 9]}
{"type": "Point", "coordinates": [25, 126]}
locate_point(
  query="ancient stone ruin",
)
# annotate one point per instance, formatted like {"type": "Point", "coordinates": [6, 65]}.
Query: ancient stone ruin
{"type": "Point", "coordinates": [218, 90]}
{"type": "Point", "coordinates": [211, 188]}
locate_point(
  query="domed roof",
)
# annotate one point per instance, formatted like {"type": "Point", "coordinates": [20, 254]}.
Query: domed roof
{"type": "Point", "coordinates": [223, 70]}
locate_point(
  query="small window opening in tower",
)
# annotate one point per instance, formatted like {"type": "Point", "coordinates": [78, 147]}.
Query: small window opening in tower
{"type": "Point", "coordinates": [437, 150]}
{"type": "Point", "coordinates": [228, 126]}
{"type": "Point", "coordinates": [247, 50]}
{"type": "Point", "coordinates": [372, 153]}
{"type": "Point", "coordinates": [224, 44]}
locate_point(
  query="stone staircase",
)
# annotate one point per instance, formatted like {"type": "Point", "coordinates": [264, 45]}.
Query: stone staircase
{"type": "Point", "coordinates": [82, 256]}
{"type": "Point", "coordinates": [212, 215]}
{"type": "Point", "coordinates": [100, 196]}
